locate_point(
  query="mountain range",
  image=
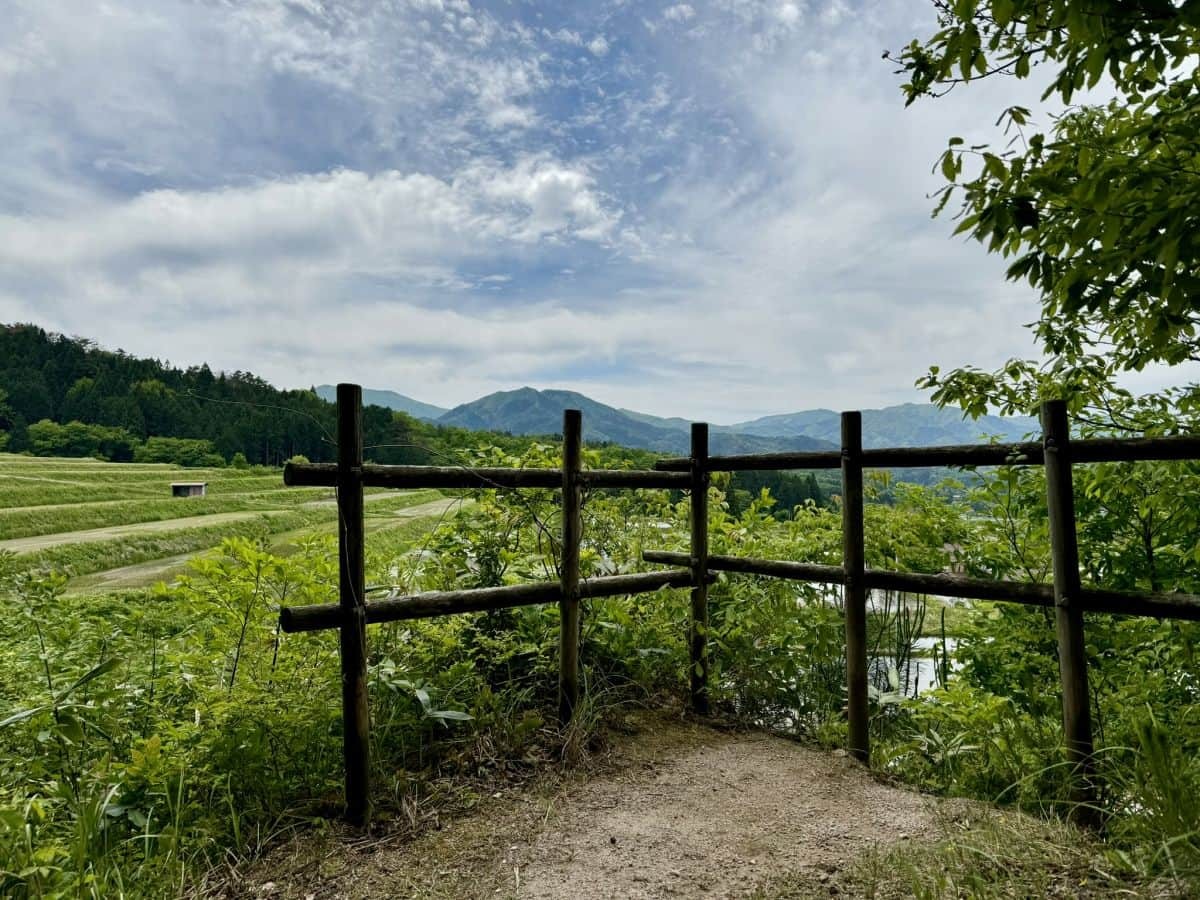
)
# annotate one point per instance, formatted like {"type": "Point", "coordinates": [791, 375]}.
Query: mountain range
{"type": "Point", "coordinates": [389, 399]}
{"type": "Point", "coordinates": [529, 411]}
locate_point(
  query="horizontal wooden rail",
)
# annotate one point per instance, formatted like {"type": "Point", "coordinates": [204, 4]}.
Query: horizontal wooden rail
{"type": "Point", "coordinates": [441, 603]}
{"type": "Point", "coordinates": [1023, 453]}
{"type": "Point", "coordinates": [634, 478]}
{"type": "Point", "coordinates": [752, 462]}
{"type": "Point", "coordinates": [1127, 603]}
{"type": "Point", "coordinates": [1178, 447]}
{"type": "Point", "coordinates": [1123, 603]}
{"type": "Point", "coordinates": [325, 475]}
{"type": "Point", "coordinates": [745, 565]}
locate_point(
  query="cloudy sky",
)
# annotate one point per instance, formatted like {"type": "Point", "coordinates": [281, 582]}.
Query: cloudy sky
{"type": "Point", "coordinates": [715, 210]}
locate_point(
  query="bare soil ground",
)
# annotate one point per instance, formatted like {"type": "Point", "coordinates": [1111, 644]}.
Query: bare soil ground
{"type": "Point", "coordinates": [677, 809]}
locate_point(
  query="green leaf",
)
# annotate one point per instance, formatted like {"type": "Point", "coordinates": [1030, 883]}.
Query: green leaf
{"type": "Point", "coordinates": [23, 715]}
{"type": "Point", "coordinates": [453, 715]}
{"type": "Point", "coordinates": [70, 727]}
{"type": "Point", "coordinates": [949, 167]}
{"type": "Point", "coordinates": [1087, 156]}
{"type": "Point", "coordinates": [103, 668]}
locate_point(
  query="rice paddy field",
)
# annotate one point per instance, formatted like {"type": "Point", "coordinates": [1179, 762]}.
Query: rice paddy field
{"type": "Point", "coordinates": [115, 526]}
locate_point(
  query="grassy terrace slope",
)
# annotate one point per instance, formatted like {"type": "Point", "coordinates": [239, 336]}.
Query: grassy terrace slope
{"type": "Point", "coordinates": [115, 525]}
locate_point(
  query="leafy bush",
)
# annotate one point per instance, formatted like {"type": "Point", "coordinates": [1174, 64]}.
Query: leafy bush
{"type": "Point", "coordinates": [178, 451]}
{"type": "Point", "coordinates": [150, 734]}
{"type": "Point", "coordinates": [48, 438]}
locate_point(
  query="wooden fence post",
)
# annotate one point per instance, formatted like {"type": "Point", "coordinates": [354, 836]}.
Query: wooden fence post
{"type": "Point", "coordinates": [1068, 616]}
{"type": "Point", "coordinates": [855, 594]}
{"type": "Point", "coordinates": [699, 622]}
{"type": "Point", "coordinates": [351, 597]}
{"type": "Point", "coordinates": [572, 527]}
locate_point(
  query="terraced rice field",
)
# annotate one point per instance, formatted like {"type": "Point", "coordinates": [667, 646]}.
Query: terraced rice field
{"type": "Point", "coordinates": [115, 526]}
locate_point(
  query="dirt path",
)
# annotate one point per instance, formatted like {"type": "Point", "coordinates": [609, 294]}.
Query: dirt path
{"type": "Point", "coordinates": [432, 508]}
{"type": "Point", "coordinates": [680, 810]}
{"type": "Point", "coordinates": [719, 820]}
{"type": "Point", "coordinates": [135, 576]}
{"type": "Point", "coordinates": [262, 496]}
{"type": "Point", "coordinates": [147, 573]}
{"type": "Point", "coordinates": [370, 497]}
{"type": "Point", "coordinates": [42, 541]}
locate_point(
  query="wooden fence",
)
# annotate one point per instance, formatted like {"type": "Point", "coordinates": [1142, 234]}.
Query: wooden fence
{"type": "Point", "coordinates": [1057, 452]}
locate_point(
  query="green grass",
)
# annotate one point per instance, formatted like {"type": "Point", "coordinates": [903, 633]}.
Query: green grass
{"type": "Point", "coordinates": [159, 765]}
{"type": "Point", "coordinates": [37, 481]}
{"type": "Point", "coordinates": [287, 526]}
{"type": "Point", "coordinates": [979, 852]}
{"type": "Point", "coordinates": [957, 615]}
{"type": "Point", "coordinates": [38, 520]}
{"type": "Point", "coordinates": [40, 496]}
{"type": "Point", "coordinates": [85, 558]}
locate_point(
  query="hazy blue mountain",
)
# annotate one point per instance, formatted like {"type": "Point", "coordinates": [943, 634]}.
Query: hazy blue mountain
{"type": "Point", "coordinates": [390, 399]}
{"type": "Point", "coordinates": [530, 411]}
{"type": "Point", "coordinates": [907, 425]}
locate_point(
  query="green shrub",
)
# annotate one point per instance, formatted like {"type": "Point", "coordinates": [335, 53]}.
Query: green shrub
{"type": "Point", "coordinates": [189, 452]}
{"type": "Point", "coordinates": [48, 438]}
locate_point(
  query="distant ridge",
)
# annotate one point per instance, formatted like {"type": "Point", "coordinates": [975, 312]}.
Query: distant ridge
{"type": "Point", "coordinates": [530, 411]}
{"type": "Point", "coordinates": [389, 399]}
{"type": "Point", "coordinates": [906, 425]}
{"type": "Point", "coordinates": [527, 411]}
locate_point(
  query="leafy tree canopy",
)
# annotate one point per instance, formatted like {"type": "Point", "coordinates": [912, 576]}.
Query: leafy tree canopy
{"type": "Point", "coordinates": [1098, 211]}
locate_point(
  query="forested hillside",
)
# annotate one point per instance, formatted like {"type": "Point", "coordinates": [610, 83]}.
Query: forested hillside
{"type": "Point", "coordinates": [116, 406]}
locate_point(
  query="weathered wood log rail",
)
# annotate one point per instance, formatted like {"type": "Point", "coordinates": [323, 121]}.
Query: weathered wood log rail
{"type": "Point", "coordinates": [695, 570]}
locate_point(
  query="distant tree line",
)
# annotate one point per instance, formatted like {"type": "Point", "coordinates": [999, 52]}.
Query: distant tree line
{"type": "Point", "coordinates": [789, 491]}
{"type": "Point", "coordinates": [64, 396]}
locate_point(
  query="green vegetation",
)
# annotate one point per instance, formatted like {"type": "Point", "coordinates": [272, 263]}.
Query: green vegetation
{"type": "Point", "coordinates": [85, 557]}
{"type": "Point", "coordinates": [790, 491]}
{"type": "Point", "coordinates": [179, 452]}
{"type": "Point", "coordinates": [979, 853]}
{"type": "Point", "coordinates": [149, 735]}
{"type": "Point", "coordinates": [48, 438]}
{"type": "Point", "coordinates": [64, 396]}
{"type": "Point", "coordinates": [1095, 211]}
{"type": "Point", "coordinates": [38, 520]}
{"type": "Point", "coordinates": [170, 728]}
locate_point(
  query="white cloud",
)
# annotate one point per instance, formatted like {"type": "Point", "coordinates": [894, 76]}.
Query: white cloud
{"type": "Point", "coordinates": [565, 36]}
{"type": "Point", "coordinates": [382, 224]}
{"type": "Point", "coordinates": [680, 12]}
{"type": "Point", "coordinates": [720, 220]}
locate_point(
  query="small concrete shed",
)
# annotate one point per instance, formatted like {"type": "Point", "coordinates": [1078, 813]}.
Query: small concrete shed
{"type": "Point", "coordinates": [189, 488]}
